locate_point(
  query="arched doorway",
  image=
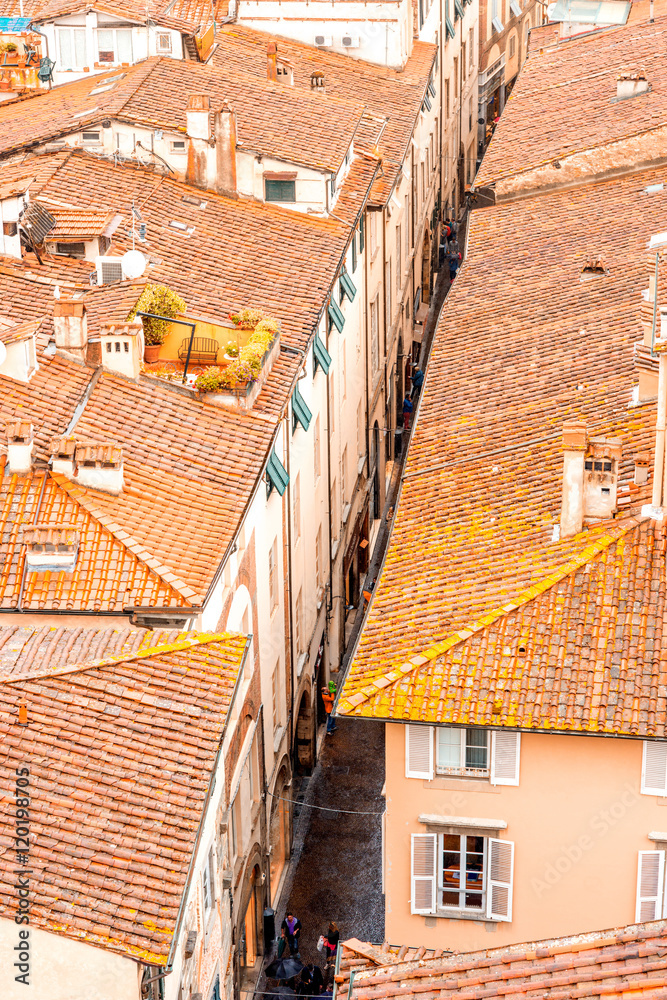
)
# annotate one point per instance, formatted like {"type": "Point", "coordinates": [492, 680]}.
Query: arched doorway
{"type": "Point", "coordinates": [305, 735]}
{"type": "Point", "coordinates": [250, 932]}
{"type": "Point", "coordinates": [426, 267]}
{"type": "Point", "coordinates": [279, 833]}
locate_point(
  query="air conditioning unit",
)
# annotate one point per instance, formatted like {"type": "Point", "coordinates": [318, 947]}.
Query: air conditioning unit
{"type": "Point", "coordinates": [350, 41]}
{"type": "Point", "coordinates": [109, 270]}
{"type": "Point", "coordinates": [323, 40]}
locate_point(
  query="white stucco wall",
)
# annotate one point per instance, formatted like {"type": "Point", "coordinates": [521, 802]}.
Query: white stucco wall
{"type": "Point", "coordinates": [64, 969]}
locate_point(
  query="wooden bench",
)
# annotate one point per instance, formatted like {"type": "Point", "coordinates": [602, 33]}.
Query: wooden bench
{"type": "Point", "coordinates": [203, 350]}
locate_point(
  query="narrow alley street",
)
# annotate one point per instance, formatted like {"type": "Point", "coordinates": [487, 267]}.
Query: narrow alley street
{"type": "Point", "coordinates": [337, 855]}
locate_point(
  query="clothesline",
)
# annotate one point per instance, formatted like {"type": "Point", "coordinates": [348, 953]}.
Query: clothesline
{"type": "Point", "coordinates": [348, 812]}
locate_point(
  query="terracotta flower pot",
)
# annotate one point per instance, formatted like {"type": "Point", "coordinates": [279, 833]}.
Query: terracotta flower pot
{"type": "Point", "coordinates": [151, 353]}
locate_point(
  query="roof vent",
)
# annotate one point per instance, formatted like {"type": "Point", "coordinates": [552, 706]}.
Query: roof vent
{"type": "Point", "coordinates": [99, 466]}
{"type": "Point", "coordinates": [593, 266]}
{"type": "Point", "coordinates": [631, 83]}
{"type": "Point", "coordinates": [20, 442]}
{"type": "Point", "coordinates": [317, 81]}
{"type": "Point", "coordinates": [51, 548]}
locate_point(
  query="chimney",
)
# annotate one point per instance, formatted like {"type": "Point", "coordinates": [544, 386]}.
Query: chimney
{"type": "Point", "coordinates": [641, 468]}
{"type": "Point", "coordinates": [575, 440]}
{"type": "Point", "coordinates": [123, 348]}
{"type": "Point", "coordinates": [71, 328]}
{"type": "Point", "coordinates": [272, 62]}
{"type": "Point", "coordinates": [20, 442]}
{"type": "Point", "coordinates": [62, 456]}
{"type": "Point", "coordinates": [601, 463]}
{"type": "Point", "coordinates": [317, 82]}
{"type": "Point", "coordinates": [630, 84]}
{"type": "Point", "coordinates": [52, 548]}
{"type": "Point", "coordinates": [199, 136]}
{"type": "Point", "coordinates": [99, 466]}
{"type": "Point", "coordinates": [225, 151]}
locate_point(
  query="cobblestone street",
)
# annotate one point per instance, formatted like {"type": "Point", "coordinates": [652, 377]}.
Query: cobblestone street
{"type": "Point", "coordinates": [336, 874]}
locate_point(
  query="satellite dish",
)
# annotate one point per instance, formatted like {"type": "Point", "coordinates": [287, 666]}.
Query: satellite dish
{"type": "Point", "coordinates": [3, 353]}
{"type": "Point", "coordinates": [133, 263]}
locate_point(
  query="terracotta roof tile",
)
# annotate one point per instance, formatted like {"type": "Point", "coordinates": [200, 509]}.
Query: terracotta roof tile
{"type": "Point", "coordinates": [114, 816]}
{"type": "Point", "coordinates": [605, 965]}
{"type": "Point", "coordinates": [473, 554]}
{"type": "Point", "coordinates": [78, 223]}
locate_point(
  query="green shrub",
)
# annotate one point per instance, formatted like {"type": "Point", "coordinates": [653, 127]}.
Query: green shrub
{"type": "Point", "coordinates": [160, 300]}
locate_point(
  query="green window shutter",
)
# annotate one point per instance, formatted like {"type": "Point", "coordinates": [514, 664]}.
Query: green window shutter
{"type": "Point", "coordinates": [458, 10]}
{"type": "Point", "coordinates": [348, 285]}
{"type": "Point", "coordinates": [361, 234]}
{"type": "Point", "coordinates": [354, 253]}
{"type": "Point", "coordinates": [276, 474]}
{"type": "Point", "coordinates": [300, 411]}
{"type": "Point", "coordinates": [427, 103]}
{"type": "Point", "coordinates": [449, 28]}
{"type": "Point", "coordinates": [279, 190]}
{"type": "Point", "coordinates": [431, 89]}
{"type": "Point", "coordinates": [321, 356]}
{"type": "Point", "coordinates": [335, 315]}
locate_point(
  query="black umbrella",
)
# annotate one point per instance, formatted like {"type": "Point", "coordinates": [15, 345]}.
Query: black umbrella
{"type": "Point", "coordinates": [284, 968]}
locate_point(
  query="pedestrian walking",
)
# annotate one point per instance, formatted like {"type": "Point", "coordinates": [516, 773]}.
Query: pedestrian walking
{"type": "Point", "coordinates": [316, 978]}
{"type": "Point", "coordinates": [283, 943]}
{"type": "Point", "coordinates": [331, 939]}
{"type": "Point", "coordinates": [328, 697]}
{"type": "Point", "coordinates": [454, 261]}
{"type": "Point", "coordinates": [407, 411]}
{"type": "Point", "coordinates": [417, 382]}
{"type": "Point", "coordinates": [292, 925]}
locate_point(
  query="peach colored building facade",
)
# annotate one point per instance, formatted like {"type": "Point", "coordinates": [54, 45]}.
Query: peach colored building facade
{"type": "Point", "coordinates": [578, 811]}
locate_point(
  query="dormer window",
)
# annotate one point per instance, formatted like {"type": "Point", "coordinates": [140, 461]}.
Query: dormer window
{"type": "Point", "coordinates": [163, 41]}
{"type": "Point", "coordinates": [279, 188]}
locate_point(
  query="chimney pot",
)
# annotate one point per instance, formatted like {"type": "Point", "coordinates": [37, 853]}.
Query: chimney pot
{"type": "Point", "coordinates": [20, 443]}
{"type": "Point", "coordinates": [641, 468]}
{"type": "Point", "coordinates": [23, 715]}
{"type": "Point", "coordinates": [272, 62]}
{"type": "Point", "coordinates": [70, 326]}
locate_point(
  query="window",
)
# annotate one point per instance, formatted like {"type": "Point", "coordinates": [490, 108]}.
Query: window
{"type": "Point", "coordinates": [275, 190]}
{"type": "Point", "coordinates": [343, 476]}
{"type": "Point", "coordinates": [456, 77]}
{"type": "Point", "coordinates": [373, 218]}
{"type": "Point", "coordinates": [163, 41]}
{"type": "Point", "coordinates": [208, 882]}
{"type": "Point", "coordinates": [650, 886]}
{"type": "Point", "coordinates": [408, 227]}
{"type": "Point", "coordinates": [297, 508]}
{"type": "Point", "coordinates": [334, 510]}
{"type": "Point", "coordinates": [360, 431]}
{"type": "Point", "coordinates": [387, 292]}
{"type": "Point", "coordinates": [422, 166]}
{"type": "Point", "coordinates": [399, 260]}
{"type": "Point", "coordinates": [332, 402]}
{"type": "Point", "coordinates": [90, 138]}
{"type": "Point", "coordinates": [446, 108]}
{"type": "Point", "coordinates": [114, 45]}
{"type": "Point", "coordinates": [318, 558]}
{"type": "Point", "coordinates": [512, 46]}
{"type": "Point", "coordinates": [72, 250]}
{"type": "Point", "coordinates": [471, 49]}
{"type": "Point", "coordinates": [317, 457]}
{"type": "Point", "coordinates": [277, 696]}
{"type": "Point", "coordinates": [375, 335]}
{"type": "Point", "coordinates": [456, 874]}
{"type": "Point", "coordinates": [273, 575]}
{"type": "Point", "coordinates": [654, 768]}
{"type": "Point", "coordinates": [71, 48]}
{"type": "Point", "coordinates": [469, 752]}
{"type": "Point", "coordinates": [462, 751]}
{"type": "Point", "coordinates": [178, 146]}
{"type": "Point", "coordinates": [463, 60]}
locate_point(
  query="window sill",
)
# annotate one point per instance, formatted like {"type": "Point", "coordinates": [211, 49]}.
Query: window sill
{"type": "Point", "coordinates": [479, 918]}
{"type": "Point", "coordinates": [455, 824]}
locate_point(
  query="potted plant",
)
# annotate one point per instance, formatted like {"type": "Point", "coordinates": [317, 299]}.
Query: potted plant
{"type": "Point", "coordinates": [231, 350]}
{"type": "Point", "coordinates": [162, 302]}
{"type": "Point", "coordinates": [247, 319]}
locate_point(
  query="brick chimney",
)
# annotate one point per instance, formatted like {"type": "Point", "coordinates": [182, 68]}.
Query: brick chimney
{"type": "Point", "coordinates": [62, 456]}
{"type": "Point", "coordinates": [575, 440]}
{"type": "Point", "coordinates": [99, 466]}
{"type": "Point", "coordinates": [20, 443]}
{"type": "Point", "coordinates": [317, 82]}
{"type": "Point", "coordinates": [71, 328]}
{"type": "Point", "coordinates": [225, 151]}
{"type": "Point", "coordinates": [199, 138]}
{"type": "Point", "coordinates": [272, 62]}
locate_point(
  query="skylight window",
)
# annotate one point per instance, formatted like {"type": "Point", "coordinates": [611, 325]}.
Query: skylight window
{"type": "Point", "coordinates": [182, 227]}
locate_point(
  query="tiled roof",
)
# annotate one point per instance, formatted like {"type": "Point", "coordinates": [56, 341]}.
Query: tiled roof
{"type": "Point", "coordinates": [18, 332]}
{"type": "Point", "coordinates": [132, 10]}
{"type": "Point", "coordinates": [570, 88]}
{"type": "Point", "coordinates": [605, 965]}
{"type": "Point", "coordinates": [386, 93]}
{"type": "Point", "coordinates": [78, 223]}
{"type": "Point", "coordinates": [274, 119]}
{"type": "Point", "coordinates": [473, 539]}
{"type": "Point", "coordinates": [121, 752]}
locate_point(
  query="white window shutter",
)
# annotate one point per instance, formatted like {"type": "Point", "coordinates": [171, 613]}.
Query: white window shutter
{"type": "Point", "coordinates": [500, 880]}
{"type": "Point", "coordinates": [654, 768]}
{"type": "Point", "coordinates": [505, 753]}
{"type": "Point", "coordinates": [424, 854]}
{"type": "Point", "coordinates": [419, 752]}
{"type": "Point", "coordinates": [650, 882]}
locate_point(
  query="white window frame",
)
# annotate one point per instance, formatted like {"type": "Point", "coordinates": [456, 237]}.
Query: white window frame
{"type": "Point", "coordinates": [454, 909]}
{"type": "Point", "coordinates": [503, 755]}
{"type": "Point", "coordinates": [426, 854]}
{"type": "Point", "coordinates": [473, 772]}
{"type": "Point", "coordinates": [208, 882]}
{"type": "Point", "coordinates": [160, 49]}
{"type": "Point", "coordinates": [114, 32]}
{"type": "Point", "coordinates": [71, 31]}
{"type": "Point", "coordinates": [654, 759]}
{"type": "Point", "coordinates": [650, 903]}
